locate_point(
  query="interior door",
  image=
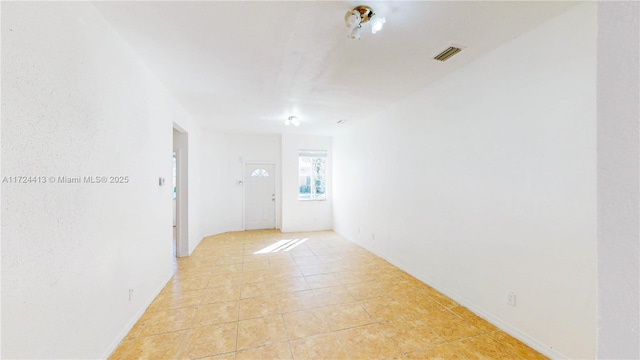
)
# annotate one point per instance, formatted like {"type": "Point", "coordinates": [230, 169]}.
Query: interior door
{"type": "Point", "coordinates": [259, 196]}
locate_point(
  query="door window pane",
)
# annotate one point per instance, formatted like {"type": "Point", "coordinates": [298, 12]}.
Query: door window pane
{"type": "Point", "coordinates": [260, 172]}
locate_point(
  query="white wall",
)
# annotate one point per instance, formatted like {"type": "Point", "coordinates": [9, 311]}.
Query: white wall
{"type": "Point", "coordinates": [222, 169]}
{"type": "Point", "coordinates": [77, 102]}
{"type": "Point", "coordinates": [301, 215]}
{"type": "Point", "coordinates": [618, 180]}
{"type": "Point", "coordinates": [485, 182]}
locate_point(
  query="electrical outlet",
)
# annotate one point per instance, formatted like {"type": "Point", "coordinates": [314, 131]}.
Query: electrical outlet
{"type": "Point", "coordinates": [358, 230]}
{"type": "Point", "coordinates": [373, 236]}
{"type": "Point", "coordinates": [511, 298]}
{"type": "Point", "coordinates": [130, 294]}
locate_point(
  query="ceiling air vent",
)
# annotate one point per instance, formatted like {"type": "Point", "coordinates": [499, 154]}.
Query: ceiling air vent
{"type": "Point", "coordinates": [445, 55]}
{"type": "Point", "coordinates": [341, 121]}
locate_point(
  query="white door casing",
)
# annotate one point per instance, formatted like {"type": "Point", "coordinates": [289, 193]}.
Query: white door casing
{"type": "Point", "coordinates": [259, 196]}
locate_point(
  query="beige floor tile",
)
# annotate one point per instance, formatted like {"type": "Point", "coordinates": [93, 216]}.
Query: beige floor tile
{"type": "Point", "coordinates": [275, 351]}
{"type": "Point", "coordinates": [210, 340]}
{"type": "Point", "coordinates": [443, 300]}
{"type": "Point", "coordinates": [261, 331]}
{"type": "Point", "coordinates": [366, 290]}
{"type": "Point", "coordinates": [187, 284]}
{"type": "Point", "coordinates": [256, 266]}
{"type": "Point", "coordinates": [227, 356]}
{"type": "Point", "coordinates": [442, 352]}
{"type": "Point", "coordinates": [216, 281]}
{"type": "Point", "coordinates": [135, 331]}
{"type": "Point", "coordinates": [324, 346]}
{"type": "Point", "coordinates": [347, 315]}
{"type": "Point", "coordinates": [162, 346]}
{"type": "Point", "coordinates": [368, 342]}
{"type": "Point", "coordinates": [316, 269]}
{"type": "Point", "coordinates": [417, 303]}
{"type": "Point", "coordinates": [175, 300]}
{"type": "Point", "coordinates": [322, 281]}
{"type": "Point", "coordinates": [330, 257]}
{"type": "Point", "coordinates": [411, 334]}
{"type": "Point", "coordinates": [384, 308]}
{"type": "Point", "coordinates": [230, 260]}
{"type": "Point", "coordinates": [121, 350]}
{"type": "Point", "coordinates": [306, 323]}
{"type": "Point", "coordinates": [516, 346]}
{"type": "Point", "coordinates": [258, 307]}
{"type": "Point", "coordinates": [289, 284]}
{"type": "Point", "coordinates": [254, 290]}
{"type": "Point", "coordinates": [221, 294]}
{"type": "Point", "coordinates": [192, 271]}
{"type": "Point", "coordinates": [256, 276]}
{"type": "Point", "coordinates": [350, 277]}
{"type": "Point", "coordinates": [216, 313]}
{"type": "Point", "coordinates": [299, 300]}
{"type": "Point", "coordinates": [450, 326]}
{"type": "Point", "coordinates": [285, 273]}
{"type": "Point", "coordinates": [282, 262]}
{"type": "Point", "coordinates": [255, 259]}
{"type": "Point", "coordinates": [168, 320]}
{"type": "Point", "coordinates": [307, 260]}
{"type": "Point", "coordinates": [333, 295]}
{"type": "Point", "coordinates": [226, 269]}
{"type": "Point", "coordinates": [474, 319]}
{"type": "Point", "coordinates": [226, 302]}
{"type": "Point", "coordinates": [483, 347]}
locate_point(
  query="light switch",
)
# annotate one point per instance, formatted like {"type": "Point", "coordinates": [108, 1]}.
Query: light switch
{"type": "Point", "coordinates": [161, 181]}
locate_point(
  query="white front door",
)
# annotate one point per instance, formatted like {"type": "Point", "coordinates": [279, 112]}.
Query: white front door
{"type": "Point", "coordinates": [259, 196]}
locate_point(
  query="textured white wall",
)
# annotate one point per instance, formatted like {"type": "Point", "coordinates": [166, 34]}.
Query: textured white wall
{"type": "Point", "coordinates": [222, 168]}
{"type": "Point", "coordinates": [300, 215]}
{"type": "Point", "coordinates": [618, 180]}
{"type": "Point", "coordinates": [76, 101]}
{"type": "Point", "coordinates": [485, 182]}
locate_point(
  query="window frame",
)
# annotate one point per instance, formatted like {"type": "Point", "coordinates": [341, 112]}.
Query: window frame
{"type": "Point", "coordinates": [313, 195]}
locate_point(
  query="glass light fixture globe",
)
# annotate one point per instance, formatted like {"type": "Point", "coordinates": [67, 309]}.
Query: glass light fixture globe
{"type": "Point", "coordinates": [355, 33]}
{"type": "Point", "coordinates": [377, 23]}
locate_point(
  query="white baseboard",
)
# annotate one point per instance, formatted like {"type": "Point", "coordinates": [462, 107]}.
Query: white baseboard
{"type": "Point", "coordinates": [138, 315]}
{"type": "Point", "coordinates": [506, 327]}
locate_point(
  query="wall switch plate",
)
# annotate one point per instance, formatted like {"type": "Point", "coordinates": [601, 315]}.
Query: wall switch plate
{"type": "Point", "coordinates": [511, 298]}
{"type": "Point", "coordinates": [130, 294]}
{"type": "Point", "coordinates": [161, 181]}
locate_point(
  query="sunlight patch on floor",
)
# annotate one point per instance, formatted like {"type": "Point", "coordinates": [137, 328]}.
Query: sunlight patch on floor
{"type": "Point", "coordinates": [282, 245]}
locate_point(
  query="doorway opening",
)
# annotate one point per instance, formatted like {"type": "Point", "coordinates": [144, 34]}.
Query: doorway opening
{"type": "Point", "coordinates": [174, 205]}
{"type": "Point", "coordinates": [181, 191]}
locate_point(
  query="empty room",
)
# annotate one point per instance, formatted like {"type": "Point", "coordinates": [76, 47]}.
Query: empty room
{"type": "Point", "coordinates": [320, 180]}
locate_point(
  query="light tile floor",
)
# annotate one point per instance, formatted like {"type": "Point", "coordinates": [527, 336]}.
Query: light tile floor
{"type": "Point", "coordinates": [269, 295]}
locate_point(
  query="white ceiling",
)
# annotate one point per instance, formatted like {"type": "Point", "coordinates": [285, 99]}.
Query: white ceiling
{"type": "Point", "coordinates": [246, 66]}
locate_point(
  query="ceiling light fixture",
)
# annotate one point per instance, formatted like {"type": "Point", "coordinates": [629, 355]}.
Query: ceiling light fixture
{"type": "Point", "coordinates": [292, 120]}
{"type": "Point", "coordinates": [359, 15]}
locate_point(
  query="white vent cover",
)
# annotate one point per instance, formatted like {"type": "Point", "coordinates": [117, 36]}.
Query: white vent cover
{"type": "Point", "coordinates": [448, 53]}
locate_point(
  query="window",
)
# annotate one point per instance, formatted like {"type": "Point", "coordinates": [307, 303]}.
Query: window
{"type": "Point", "coordinates": [260, 173]}
{"type": "Point", "coordinates": [312, 174]}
